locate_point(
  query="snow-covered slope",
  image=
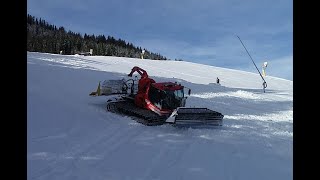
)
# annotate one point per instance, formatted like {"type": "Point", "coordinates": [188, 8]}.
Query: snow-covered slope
{"type": "Point", "coordinates": [71, 136]}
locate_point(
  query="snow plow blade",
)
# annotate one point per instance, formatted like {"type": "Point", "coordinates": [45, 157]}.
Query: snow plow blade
{"type": "Point", "coordinates": [195, 117]}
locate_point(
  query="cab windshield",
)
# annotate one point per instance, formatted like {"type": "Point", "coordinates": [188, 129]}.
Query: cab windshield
{"type": "Point", "coordinates": [166, 99]}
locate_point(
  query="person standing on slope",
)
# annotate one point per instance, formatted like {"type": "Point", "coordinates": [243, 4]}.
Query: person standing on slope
{"type": "Point", "coordinates": [218, 80]}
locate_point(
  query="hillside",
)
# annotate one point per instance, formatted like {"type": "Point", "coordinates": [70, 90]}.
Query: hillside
{"type": "Point", "coordinates": [71, 136]}
{"type": "Point", "coordinates": [48, 38]}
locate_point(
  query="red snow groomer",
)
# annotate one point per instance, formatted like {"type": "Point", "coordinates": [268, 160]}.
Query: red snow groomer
{"type": "Point", "coordinates": [154, 103]}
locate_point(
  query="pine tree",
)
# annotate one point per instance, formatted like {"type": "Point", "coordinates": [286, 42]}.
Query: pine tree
{"type": "Point", "coordinates": [45, 37]}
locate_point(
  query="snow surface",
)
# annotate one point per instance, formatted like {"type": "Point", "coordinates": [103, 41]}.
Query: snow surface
{"type": "Point", "coordinates": [72, 136]}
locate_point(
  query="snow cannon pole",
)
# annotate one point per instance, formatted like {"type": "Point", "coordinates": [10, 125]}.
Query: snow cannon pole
{"type": "Point", "coordinates": [264, 84]}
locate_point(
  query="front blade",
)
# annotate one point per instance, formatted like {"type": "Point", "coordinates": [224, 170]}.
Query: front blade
{"type": "Point", "coordinates": [198, 117]}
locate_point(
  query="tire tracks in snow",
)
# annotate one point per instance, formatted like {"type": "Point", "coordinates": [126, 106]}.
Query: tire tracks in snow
{"type": "Point", "coordinates": [75, 151]}
{"type": "Point", "coordinates": [113, 144]}
{"type": "Point", "coordinates": [166, 151]}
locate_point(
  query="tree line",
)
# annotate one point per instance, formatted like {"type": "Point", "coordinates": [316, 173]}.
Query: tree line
{"type": "Point", "coordinates": [45, 37]}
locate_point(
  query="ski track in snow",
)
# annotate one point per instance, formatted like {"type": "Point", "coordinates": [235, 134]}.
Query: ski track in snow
{"type": "Point", "coordinates": [80, 152]}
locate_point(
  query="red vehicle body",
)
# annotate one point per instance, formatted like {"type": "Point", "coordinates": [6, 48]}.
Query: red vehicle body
{"type": "Point", "coordinates": [153, 103]}
{"type": "Point", "coordinates": [161, 98]}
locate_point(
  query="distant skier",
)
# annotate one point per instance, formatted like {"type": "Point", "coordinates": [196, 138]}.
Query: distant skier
{"type": "Point", "coordinates": [218, 80]}
{"type": "Point", "coordinates": [264, 85]}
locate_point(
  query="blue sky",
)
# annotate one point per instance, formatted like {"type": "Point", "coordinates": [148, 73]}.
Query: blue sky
{"type": "Point", "coordinates": [201, 31]}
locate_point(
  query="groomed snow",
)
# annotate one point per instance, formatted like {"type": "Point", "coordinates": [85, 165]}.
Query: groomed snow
{"type": "Point", "coordinates": [72, 136]}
